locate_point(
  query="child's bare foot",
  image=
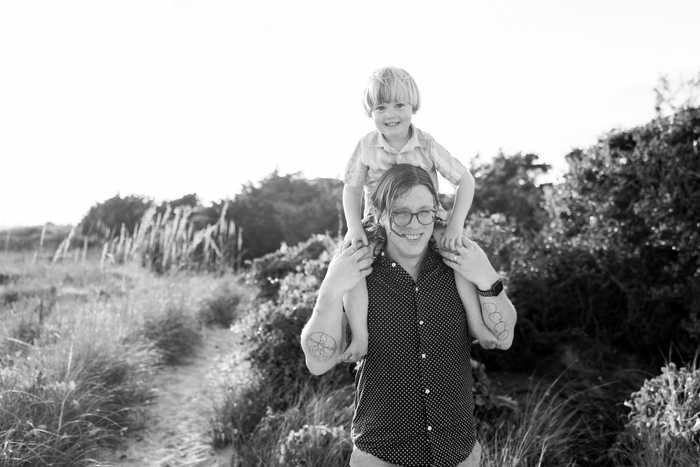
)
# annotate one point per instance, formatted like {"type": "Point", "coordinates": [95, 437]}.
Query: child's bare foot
{"type": "Point", "coordinates": [356, 350]}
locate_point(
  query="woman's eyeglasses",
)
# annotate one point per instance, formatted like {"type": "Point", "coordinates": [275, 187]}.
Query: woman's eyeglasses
{"type": "Point", "coordinates": [403, 218]}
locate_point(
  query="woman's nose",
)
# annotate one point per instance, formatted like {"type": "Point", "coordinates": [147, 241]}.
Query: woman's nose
{"type": "Point", "coordinates": [414, 222]}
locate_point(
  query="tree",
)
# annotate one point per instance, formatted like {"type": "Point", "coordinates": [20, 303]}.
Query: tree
{"type": "Point", "coordinates": [285, 208]}
{"type": "Point", "coordinates": [106, 218]}
{"type": "Point", "coordinates": [191, 200]}
{"type": "Point", "coordinates": [673, 96]}
{"type": "Point", "coordinates": [508, 185]}
{"type": "Point", "coordinates": [633, 201]}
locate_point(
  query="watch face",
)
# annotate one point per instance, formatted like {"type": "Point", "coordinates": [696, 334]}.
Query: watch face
{"type": "Point", "coordinates": [494, 290]}
{"type": "Point", "coordinates": [497, 287]}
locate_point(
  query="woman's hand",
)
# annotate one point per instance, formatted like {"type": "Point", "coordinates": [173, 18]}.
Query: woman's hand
{"type": "Point", "coordinates": [470, 261]}
{"type": "Point", "coordinates": [348, 267]}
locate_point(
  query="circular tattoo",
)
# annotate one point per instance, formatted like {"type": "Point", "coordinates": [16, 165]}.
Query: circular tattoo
{"type": "Point", "coordinates": [321, 345]}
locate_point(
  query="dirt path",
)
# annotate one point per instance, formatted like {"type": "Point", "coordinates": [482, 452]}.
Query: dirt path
{"type": "Point", "coordinates": [177, 422]}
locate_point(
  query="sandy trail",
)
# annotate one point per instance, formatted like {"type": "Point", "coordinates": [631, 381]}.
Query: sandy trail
{"type": "Point", "coordinates": [177, 425]}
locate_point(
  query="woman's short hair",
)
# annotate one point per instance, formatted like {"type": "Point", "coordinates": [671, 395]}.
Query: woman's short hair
{"type": "Point", "coordinates": [390, 84]}
{"type": "Point", "coordinates": [393, 184]}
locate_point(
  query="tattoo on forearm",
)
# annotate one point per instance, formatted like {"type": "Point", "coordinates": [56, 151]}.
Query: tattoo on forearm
{"type": "Point", "coordinates": [321, 346]}
{"type": "Point", "coordinates": [493, 314]}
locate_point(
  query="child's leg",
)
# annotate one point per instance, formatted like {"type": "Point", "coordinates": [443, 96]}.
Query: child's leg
{"type": "Point", "coordinates": [479, 325]}
{"type": "Point", "coordinates": [472, 307]}
{"type": "Point", "coordinates": [355, 303]}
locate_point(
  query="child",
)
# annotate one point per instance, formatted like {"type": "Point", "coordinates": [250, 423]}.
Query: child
{"type": "Point", "coordinates": [390, 99]}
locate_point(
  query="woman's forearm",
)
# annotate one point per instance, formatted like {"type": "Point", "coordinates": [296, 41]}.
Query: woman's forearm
{"type": "Point", "coordinates": [322, 339]}
{"type": "Point", "coordinates": [500, 310]}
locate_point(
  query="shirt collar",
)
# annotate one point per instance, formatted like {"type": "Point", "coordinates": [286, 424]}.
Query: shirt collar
{"type": "Point", "coordinates": [431, 261]}
{"type": "Point", "coordinates": [412, 142]}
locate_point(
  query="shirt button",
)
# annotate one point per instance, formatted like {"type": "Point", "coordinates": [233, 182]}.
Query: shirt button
{"type": "Point", "coordinates": [427, 391]}
{"type": "Point", "coordinates": [416, 289]}
{"type": "Point", "coordinates": [430, 428]}
{"type": "Point", "coordinates": [420, 322]}
{"type": "Point", "coordinates": [422, 355]}
{"type": "Point", "coordinates": [393, 265]}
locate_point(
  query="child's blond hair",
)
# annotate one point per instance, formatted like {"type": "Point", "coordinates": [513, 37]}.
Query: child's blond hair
{"type": "Point", "coordinates": [389, 84]}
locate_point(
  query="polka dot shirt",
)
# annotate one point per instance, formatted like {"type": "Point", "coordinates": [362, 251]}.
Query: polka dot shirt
{"type": "Point", "coordinates": [413, 390]}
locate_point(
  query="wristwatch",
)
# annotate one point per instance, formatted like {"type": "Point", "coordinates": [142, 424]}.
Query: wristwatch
{"type": "Point", "coordinates": [492, 291]}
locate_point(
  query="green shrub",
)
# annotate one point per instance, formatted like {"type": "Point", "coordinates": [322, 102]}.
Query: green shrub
{"type": "Point", "coordinates": [668, 404]}
{"type": "Point", "coordinates": [273, 335]}
{"type": "Point", "coordinates": [316, 445]}
{"type": "Point", "coordinates": [174, 334]}
{"type": "Point", "coordinates": [663, 426]}
{"type": "Point", "coordinates": [267, 271]}
{"type": "Point", "coordinates": [273, 442]}
{"type": "Point", "coordinates": [221, 309]}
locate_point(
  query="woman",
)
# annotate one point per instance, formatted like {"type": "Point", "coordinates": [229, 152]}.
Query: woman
{"type": "Point", "coordinates": [413, 396]}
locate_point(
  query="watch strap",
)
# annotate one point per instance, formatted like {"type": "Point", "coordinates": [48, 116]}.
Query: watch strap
{"type": "Point", "coordinates": [492, 291]}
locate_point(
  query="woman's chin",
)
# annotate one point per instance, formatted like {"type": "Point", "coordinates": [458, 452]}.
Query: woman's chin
{"type": "Point", "coordinates": [412, 244]}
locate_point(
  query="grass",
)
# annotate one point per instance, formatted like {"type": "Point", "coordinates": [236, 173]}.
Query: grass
{"type": "Point", "coordinates": [174, 333]}
{"type": "Point", "coordinates": [78, 344]}
{"type": "Point", "coordinates": [543, 432]}
{"type": "Point", "coordinates": [224, 307]}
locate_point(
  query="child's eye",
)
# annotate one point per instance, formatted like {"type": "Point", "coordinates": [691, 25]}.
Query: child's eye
{"type": "Point", "coordinates": [400, 105]}
{"type": "Point", "coordinates": [379, 108]}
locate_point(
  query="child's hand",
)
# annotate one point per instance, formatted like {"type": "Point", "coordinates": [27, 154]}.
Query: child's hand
{"type": "Point", "coordinates": [355, 237]}
{"type": "Point", "coordinates": [452, 237]}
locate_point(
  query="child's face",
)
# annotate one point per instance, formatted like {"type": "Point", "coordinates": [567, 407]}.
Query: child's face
{"type": "Point", "coordinates": [392, 119]}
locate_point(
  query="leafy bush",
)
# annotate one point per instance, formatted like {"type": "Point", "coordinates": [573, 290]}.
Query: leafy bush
{"type": "Point", "coordinates": [272, 443]}
{"type": "Point", "coordinates": [273, 335]}
{"type": "Point", "coordinates": [316, 445]}
{"type": "Point", "coordinates": [267, 271]}
{"type": "Point", "coordinates": [174, 334]}
{"type": "Point", "coordinates": [240, 413]}
{"type": "Point", "coordinates": [668, 404]}
{"type": "Point", "coordinates": [221, 309]}
{"type": "Point", "coordinates": [663, 426]}
{"type": "Point", "coordinates": [633, 201]}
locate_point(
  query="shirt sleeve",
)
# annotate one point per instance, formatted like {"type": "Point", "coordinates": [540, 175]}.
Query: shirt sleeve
{"type": "Point", "coordinates": [446, 164]}
{"type": "Point", "coordinates": [356, 170]}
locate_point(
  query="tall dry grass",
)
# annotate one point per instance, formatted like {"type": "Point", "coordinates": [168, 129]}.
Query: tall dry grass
{"type": "Point", "coordinates": [316, 429]}
{"type": "Point", "coordinates": [78, 346]}
{"type": "Point", "coordinates": [544, 432]}
{"type": "Point", "coordinates": [168, 241]}
{"type": "Point", "coordinates": [163, 241]}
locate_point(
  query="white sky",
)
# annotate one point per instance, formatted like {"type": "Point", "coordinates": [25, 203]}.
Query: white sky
{"type": "Point", "coordinates": [164, 98]}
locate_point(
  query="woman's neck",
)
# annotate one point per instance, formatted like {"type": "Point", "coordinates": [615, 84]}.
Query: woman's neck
{"type": "Point", "coordinates": [410, 264]}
